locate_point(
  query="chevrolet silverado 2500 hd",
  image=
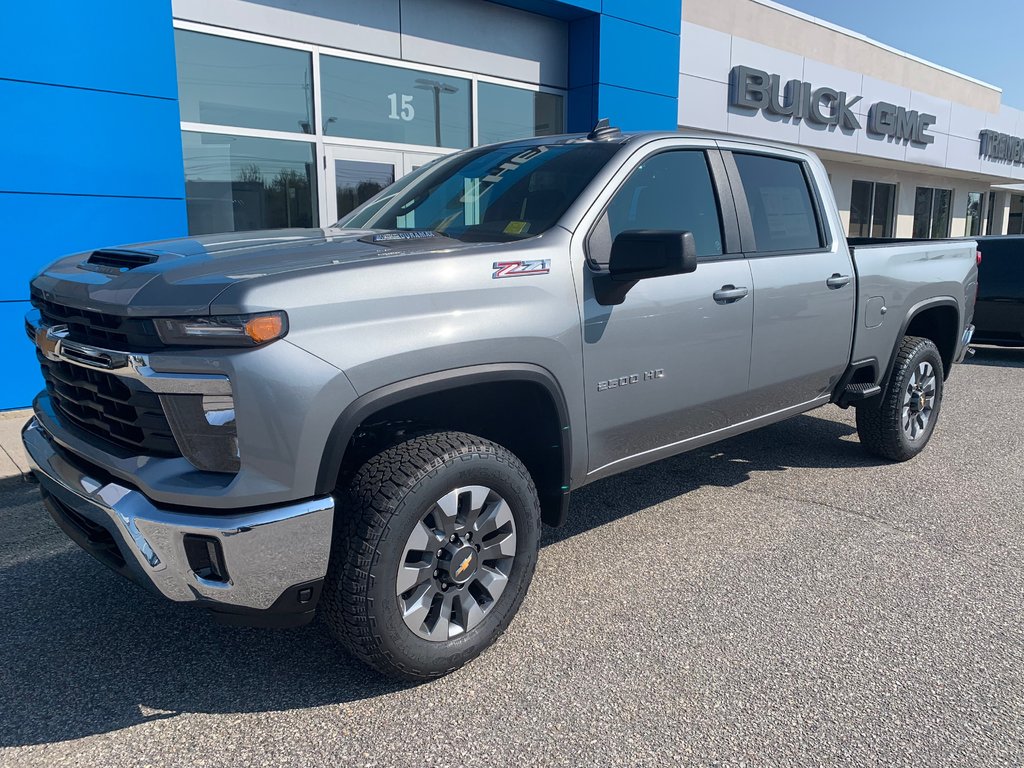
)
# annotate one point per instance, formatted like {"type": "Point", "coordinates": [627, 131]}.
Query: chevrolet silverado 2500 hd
{"type": "Point", "coordinates": [372, 420]}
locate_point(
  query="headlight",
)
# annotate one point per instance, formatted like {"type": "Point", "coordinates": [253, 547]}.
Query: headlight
{"type": "Point", "coordinates": [223, 330]}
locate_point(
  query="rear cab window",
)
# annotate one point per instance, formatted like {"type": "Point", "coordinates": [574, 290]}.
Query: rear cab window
{"type": "Point", "coordinates": [783, 210]}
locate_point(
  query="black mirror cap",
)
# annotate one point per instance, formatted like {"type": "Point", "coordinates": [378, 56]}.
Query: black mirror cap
{"type": "Point", "coordinates": [638, 254]}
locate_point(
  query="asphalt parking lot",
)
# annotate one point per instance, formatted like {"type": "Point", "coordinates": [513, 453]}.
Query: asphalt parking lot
{"type": "Point", "coordinates": [777, 599]}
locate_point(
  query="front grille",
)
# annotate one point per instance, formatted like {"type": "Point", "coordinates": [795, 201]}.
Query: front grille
{"type": "Point", "coordinates": [98, 328]}
{"type": "Point", "coordinates": [104, 405]}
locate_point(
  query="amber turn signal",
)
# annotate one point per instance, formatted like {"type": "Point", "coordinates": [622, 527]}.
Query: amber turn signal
{"type": "Point", "coordinates": [264, 328]}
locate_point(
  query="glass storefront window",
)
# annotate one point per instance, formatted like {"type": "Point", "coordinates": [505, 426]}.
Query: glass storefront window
{"type": "Point", "coordinates": [872, 209]}
{"type": "Point", "coordinates": [883, 210]}
{"type": "Point", "coordinates": [363, 100]}
{"type": "Point", "coordinates": [235, 183]}
{"type": "Point", "coordinates": [1015, 218]}
{"type": "Point", "coordinates": [246, 85]}
{"type": "Point", "coordinates": [972, 220]}
{"type": "Point", "coordinates": [506, 113]}
{"type": "Point", "coordinates": [932, 212]}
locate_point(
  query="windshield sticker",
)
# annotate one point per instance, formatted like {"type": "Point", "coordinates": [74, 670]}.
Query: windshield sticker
{"type": "Point", "coordinates": [416, 234]}
{"type": "Point", "coordinates": [517, 228]}
{"type": "Point", "coordinates": [520, 268]}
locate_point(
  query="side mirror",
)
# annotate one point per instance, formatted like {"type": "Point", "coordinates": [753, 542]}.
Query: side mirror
{"type": "Point", "coordinates": [640, 254]}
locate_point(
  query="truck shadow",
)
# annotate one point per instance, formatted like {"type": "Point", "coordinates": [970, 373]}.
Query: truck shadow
{"type": "Point", "coordinates": [84, 652]}
{"type": "Point", "coordinates": [1003, 357]}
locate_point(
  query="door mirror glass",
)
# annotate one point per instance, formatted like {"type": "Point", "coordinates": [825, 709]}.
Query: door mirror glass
{"type": "Point", "coordinates": [639, 254]}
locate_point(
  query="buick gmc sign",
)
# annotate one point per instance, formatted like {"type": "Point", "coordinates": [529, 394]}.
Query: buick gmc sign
{"type": "Point", "coordinates": [758, 90]}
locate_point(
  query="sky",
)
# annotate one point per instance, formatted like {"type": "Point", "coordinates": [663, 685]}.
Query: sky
{"type": "Point", "coordinates": [982, 39]}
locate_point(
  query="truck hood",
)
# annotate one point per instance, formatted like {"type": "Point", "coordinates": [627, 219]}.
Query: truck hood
{"type": "Point", "coordinates": [184, 276]}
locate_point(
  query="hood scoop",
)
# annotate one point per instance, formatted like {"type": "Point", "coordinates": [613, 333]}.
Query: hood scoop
{"type": "Point", "coordinates": [112, 261]}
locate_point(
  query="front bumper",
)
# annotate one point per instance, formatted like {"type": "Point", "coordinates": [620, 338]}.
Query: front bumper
{"type": "Point", "coordinates": [274, 558]}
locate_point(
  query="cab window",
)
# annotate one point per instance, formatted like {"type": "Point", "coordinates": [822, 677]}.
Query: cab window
{"type": "Point", "coordinates": [667, 191]}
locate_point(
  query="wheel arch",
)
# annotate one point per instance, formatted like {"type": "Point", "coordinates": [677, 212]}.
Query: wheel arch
{"type": "Point", "coordinates": [937, 319]}
{"type": "Point", "coordinates": [540, 436]}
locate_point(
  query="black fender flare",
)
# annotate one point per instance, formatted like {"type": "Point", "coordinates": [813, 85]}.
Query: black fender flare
{"type": "Point", "coordinates": [914, 311]}
{"type": "Point", "coordinates": [392, 394]}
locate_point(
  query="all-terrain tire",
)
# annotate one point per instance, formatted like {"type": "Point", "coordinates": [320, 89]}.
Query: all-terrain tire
{"type": "Point", "coordinates": [881, 421]}
{"type": "Point", "coordinates": [377, 512]}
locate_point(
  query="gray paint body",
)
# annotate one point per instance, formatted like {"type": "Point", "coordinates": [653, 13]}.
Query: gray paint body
{"type": "Point", "coordinates": [365, 316]}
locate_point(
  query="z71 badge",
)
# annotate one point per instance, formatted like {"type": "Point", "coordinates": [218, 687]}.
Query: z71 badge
{"type": "Point", "coordinates": [521, 268]}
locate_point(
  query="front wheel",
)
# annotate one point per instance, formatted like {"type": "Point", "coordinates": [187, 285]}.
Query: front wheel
{"type": "Point", "coordinates": [899, 422]}
{"type": "Point", "coordinates": [432, 557]}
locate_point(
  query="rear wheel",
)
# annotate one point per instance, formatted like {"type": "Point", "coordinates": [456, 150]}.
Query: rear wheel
{"type": "Point", "coordinates": [433, 554]}
{"type": "Point", "coordinates": [898, 424]}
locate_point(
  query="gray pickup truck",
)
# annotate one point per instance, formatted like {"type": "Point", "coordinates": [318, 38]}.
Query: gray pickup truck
{"type": "Point", "coordinates": [373, 420]}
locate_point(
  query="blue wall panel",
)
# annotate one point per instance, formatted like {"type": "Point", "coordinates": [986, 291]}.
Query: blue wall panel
{"type": "Point", "coordinates": [660, 14]}
{"type": "Point", "coordinates": [72, 141]}
{"type": "Point", "coordinates": [40, 228]}
{"type": "Point", "coordinates": [21, 379]}
{"type": "Point", "coordinates": [636, 110]}
{"type": "Point", "coordinates": [111, 45]}
{"type": "Point", "coordinates": [90, 144]}
{"type": "Point", "coordinates": [638, 57]}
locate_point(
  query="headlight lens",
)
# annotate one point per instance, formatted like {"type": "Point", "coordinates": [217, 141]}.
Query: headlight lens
{"type": "Point", "coordinates": [223, 330]}
{"type": "Point", "coordinates": [204, 428]}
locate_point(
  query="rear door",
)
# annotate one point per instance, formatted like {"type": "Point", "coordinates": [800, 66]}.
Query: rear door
{"type": "Point", "coordinates": [804, 291]}
{"type": "Point", "coordinates": [670, 362]}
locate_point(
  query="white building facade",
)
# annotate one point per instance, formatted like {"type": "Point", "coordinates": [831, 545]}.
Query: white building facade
{"type": "Point", "coordinates": [912, 149]}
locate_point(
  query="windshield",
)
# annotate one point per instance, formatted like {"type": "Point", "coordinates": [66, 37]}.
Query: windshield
{"type": "Point", "coordinates": [491, 194]}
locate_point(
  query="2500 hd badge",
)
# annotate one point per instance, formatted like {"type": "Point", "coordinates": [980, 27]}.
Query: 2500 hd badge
{"type": "Point", "coordinates": [633, 378]}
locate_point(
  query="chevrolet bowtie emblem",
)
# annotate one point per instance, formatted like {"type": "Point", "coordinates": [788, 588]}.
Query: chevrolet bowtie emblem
{"type": "Point", "coordinates": [464, 565]}
{"type": "Point", "coordinates": [48, 339]}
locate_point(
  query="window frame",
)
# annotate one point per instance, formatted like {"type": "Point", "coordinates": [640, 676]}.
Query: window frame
{"type": "Point", "coordinates": [719, 186]}
{"type": "Point", "coordinates": [746, 224]}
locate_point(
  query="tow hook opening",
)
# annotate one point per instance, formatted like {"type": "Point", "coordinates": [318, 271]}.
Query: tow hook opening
{"type": "Point", "coordinates": [206, 557]}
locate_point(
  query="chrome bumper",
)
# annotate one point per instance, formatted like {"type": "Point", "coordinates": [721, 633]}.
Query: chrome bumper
{"type": "Point", "coordinates": [266, 552]}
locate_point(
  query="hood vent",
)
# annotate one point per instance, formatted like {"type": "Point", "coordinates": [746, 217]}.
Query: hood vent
{"type": "Point", "coordinates": [119, 260]}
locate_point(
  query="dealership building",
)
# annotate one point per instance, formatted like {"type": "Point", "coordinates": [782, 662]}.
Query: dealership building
{"type": "Point", "coordinates": [129, 121]}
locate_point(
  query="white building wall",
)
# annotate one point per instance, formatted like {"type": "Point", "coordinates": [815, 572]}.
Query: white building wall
{"type": "Point", "coordinates": [708, 55]}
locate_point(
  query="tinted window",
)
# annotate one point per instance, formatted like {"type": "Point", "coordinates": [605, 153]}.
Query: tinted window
{"type": "Point", "coordinates": [363, 100]}
{"type": "Point", "coordinates": [506, 113]}
{"type": "Point", "coordinates": [491, 194]}
{"type": "Point", "coordinates": [235, 183]}
{"type": "Point", "coordinates": [669, 191]}
{"type": "Point", "coordinates": [249, 85]}
{"type": "Point", "coordinates": [780, 203]}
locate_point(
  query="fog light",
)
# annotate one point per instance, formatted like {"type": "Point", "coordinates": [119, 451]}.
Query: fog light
{"type": "Point", "coordinates": [204, 428]}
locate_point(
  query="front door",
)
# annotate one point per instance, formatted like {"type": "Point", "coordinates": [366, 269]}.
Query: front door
{"type": "Point", "coordinates": [355, 174]}
{"type": "Point", "coordinates": [671, 362]}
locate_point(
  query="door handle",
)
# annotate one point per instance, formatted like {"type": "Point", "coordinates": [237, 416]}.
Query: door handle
{"type": "Point", "coordinates": [727, 294]}
{"type": "Point", "coordinates": [838, 281]}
